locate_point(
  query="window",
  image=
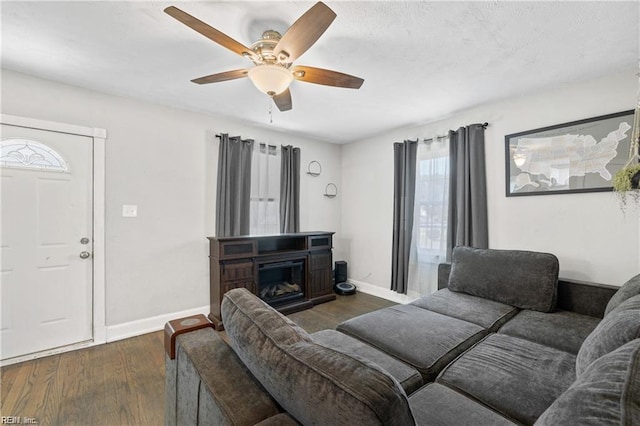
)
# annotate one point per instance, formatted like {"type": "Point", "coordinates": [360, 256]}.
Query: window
{"type": "Point", "coordinates": [431, 209]}
{"type": "Point", "coordinates": [265, 190]}
{"type": "Point", "coordinates": [28, 154]}
{"type": "Point", "coordinates": [432, 198]}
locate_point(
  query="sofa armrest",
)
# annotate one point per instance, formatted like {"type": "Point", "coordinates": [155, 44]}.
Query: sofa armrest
{"type": "Point", "coordinates": [206, 383]}
{"type": "Point", "coordinates": [174, 328]}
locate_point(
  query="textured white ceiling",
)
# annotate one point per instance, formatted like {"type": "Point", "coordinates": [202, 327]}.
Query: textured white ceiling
{"type": "Point", "coordinates": [420, 60]}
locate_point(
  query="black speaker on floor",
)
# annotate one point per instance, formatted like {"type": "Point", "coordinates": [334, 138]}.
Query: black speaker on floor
{"type": "Point", "coordinates": [340, 284]}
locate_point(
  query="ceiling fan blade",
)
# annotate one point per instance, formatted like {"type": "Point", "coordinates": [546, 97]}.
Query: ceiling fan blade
{"type": "Point", "coordinates": [222, 76]}
{"type": "Point", "coordinates": [283, 101]}
{"type": "Point", "coordinates": [209, 32]}
{"type": "Point", "coordinates": [326, 77]}
{"type": "Point", "coordinates": [304, 33]}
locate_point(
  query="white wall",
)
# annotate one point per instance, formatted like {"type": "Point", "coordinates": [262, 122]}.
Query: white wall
{"type": "Point", "coordinates": [165, 161]}
{"type": "Point", "coordinates": [592, 238]}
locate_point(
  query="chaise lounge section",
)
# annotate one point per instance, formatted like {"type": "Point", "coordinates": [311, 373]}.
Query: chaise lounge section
{"type": "Point", "coordinates": [504, 343]}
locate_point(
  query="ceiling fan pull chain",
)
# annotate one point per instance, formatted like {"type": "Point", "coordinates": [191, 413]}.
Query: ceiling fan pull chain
{"type": "Point", "coordinates": [270, 112]}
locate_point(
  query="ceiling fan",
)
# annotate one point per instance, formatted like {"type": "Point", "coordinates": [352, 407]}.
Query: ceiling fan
{"type": "Point", "coordinates": [273, 55]}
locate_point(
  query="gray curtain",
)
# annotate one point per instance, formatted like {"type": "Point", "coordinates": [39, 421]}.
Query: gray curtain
{"type": "Point", "coordinates": [234, 186]}
{"type": "Point", "coordinates": [467, 219]}
{"type": "Point", "coordinates": [404, 184]}
{"type": "Point", "coordinates": [290, 189]}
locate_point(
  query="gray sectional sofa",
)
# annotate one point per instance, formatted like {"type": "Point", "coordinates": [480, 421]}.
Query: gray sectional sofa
{"type": "Point", "coordinates": [502, 342]}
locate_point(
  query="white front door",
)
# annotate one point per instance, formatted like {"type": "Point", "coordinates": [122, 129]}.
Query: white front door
{"type": "Point", "coordinates": [46, 240]}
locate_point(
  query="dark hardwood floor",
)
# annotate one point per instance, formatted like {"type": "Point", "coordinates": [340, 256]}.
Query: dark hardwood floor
{"type": "Point", "coordinates": [330, 314]}
{"type": "Point", "coordinates": [122, 383]}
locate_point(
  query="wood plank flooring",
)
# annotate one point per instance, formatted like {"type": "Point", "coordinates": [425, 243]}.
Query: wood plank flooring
{"type": "Point", "coordinates": [122, 383]}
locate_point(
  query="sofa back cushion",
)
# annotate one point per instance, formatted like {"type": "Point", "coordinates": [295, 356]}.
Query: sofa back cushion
{"type": "Point", "coordinates": [607, 393]}
{"type": "Point", "coordinates": [628, 290]}
{"type": "Point", "coordinates": [313, 383]}
{"type": "Point", "coordinates": [617, 328]}
{"type": "Point", "coordinates": [524, 279]}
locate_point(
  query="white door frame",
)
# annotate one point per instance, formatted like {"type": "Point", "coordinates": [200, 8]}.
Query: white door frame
{"type": "Point", "coordinates": [99, 137]}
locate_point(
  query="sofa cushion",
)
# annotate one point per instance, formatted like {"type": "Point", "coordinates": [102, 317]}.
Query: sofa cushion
{"type": "Point", "coordinates": [527, 280]}
{"type": "Point", "coordinates": [408, 377]}
{"type": "Point", "coordinates": [607, 393]}
{"type": "Point", "coordinates": [516, 377]}
{"type": "Point", "coordinates": [620, 326]}
{"type": "Point", "coordinates": [421, 338]}
{"type": "Point", "coordinates": [628, 290]}
{"type": "Point", "coordinates": [313, 383]}
{"type": "Point", "coordinates": [486, 313]}
{"type": "Point", "coordinates": [562, 330]}
{"type": "Point", "coordinates": [439, 405]}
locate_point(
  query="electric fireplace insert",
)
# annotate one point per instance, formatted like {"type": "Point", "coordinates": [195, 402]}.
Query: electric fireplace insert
{"type": "Point", "coordinates": [281, 282]}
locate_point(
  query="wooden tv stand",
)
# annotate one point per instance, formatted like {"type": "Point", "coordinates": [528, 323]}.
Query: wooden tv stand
{"type": "Point", "coordinates": [240, 261]}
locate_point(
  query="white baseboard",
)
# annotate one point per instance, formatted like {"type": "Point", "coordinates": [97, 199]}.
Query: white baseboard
{"type": "Point", "coordinates": [384, 293]}
{"type": "Point", "coordinates": [113, 333]}
{"type": "Point", "coordinates": [148, 325]}
{"type": "Point", "coordinates": [116, 332]}
{"type": "Point", "coordinates": [48, 352]}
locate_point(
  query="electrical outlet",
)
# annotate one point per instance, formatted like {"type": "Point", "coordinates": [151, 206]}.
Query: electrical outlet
{"type": "Point", "coordinates": [129, 210]}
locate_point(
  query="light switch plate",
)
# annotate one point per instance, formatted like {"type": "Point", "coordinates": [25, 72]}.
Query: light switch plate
{"type": "Point", "coordinates": [129, 210]}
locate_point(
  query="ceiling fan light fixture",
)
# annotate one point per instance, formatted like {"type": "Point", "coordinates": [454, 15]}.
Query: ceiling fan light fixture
{"type": "Point", "coordinates": [270, 78]}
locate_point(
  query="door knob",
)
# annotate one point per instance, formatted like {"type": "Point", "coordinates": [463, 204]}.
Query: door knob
{"type": "Point", "coordinates": [84, 254]}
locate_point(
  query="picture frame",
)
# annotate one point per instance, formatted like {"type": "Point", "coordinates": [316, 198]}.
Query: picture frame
{"type": "Point", "coordinates": [574, 157]}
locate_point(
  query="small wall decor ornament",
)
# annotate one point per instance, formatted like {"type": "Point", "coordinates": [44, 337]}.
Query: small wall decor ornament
{"type": "Point", "coordinates": [331, 190]}
{"type": "Point", "coordinates": [314, 168]}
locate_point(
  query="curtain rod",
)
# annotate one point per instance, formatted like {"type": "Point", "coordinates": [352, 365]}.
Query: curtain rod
{"type": "Point", "coordinates": [437, 138]}
{"type": "Point", "coordinates": [218, 135]}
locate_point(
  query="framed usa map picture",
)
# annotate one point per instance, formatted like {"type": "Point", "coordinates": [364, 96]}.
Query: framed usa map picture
{"type": "Point", "coordinates": [580, 156]}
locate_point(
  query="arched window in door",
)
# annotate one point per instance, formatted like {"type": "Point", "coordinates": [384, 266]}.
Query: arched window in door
{"type": "Point", "coordinates": [29, 154]}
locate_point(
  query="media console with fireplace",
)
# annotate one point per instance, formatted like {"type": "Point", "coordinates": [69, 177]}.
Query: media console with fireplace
{"type": "Point", "coordinates": [291, 272]}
